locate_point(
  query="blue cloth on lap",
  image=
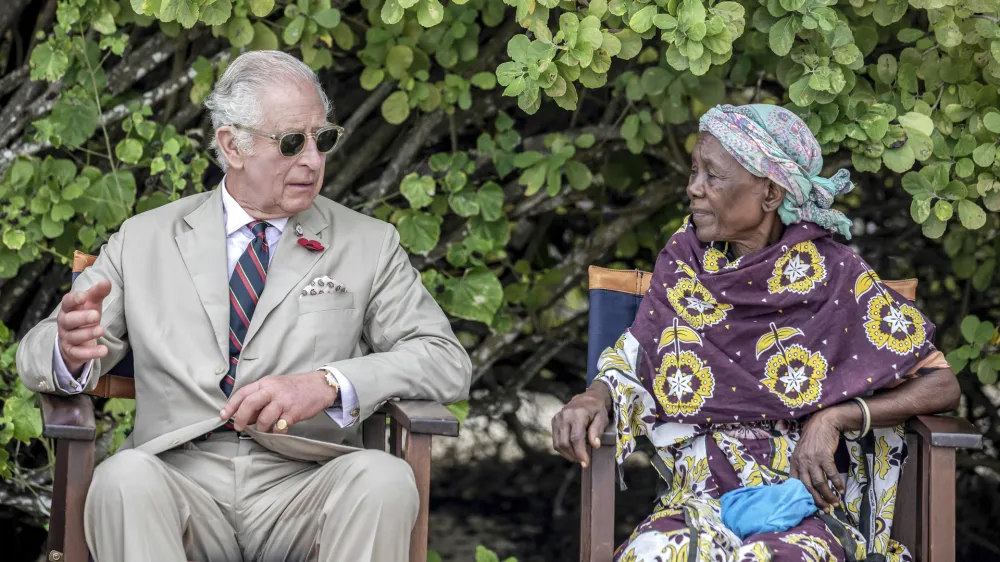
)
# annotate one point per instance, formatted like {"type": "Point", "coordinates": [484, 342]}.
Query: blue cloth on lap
{"type": "Point", "coordinates": [766, 509]}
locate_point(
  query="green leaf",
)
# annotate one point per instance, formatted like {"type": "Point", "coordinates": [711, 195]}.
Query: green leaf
{"type": "Point", "coordinates": [970, 324]}
{"type": "Point", "coordinates": [129, 151]}
{"type": "Point", "coordinates": [24, 415]}
{"type": "Point", "coordinates": [888, 12]}
{"type": "Point", "coordinates": [418, 190]}
{"type": "Point", "coordinates": [971, 215]}
{"type": "Point", "coordinates": [293, 31]}
{"type": "Point", "coordinates": [782, 36]}
{"type": "Point", "coordinates": [986, 372]}
{"type": "Point", "coordinates": [184, 12]}
{"type": "Point", "coordinates": [261, 8]}
{"type": "Point", "coordinates": [985, 154]}
{"type": "Point", "coordinates": [528, 159]}
{"type": "Point", "coordinates": [240, 32]}
{"type": "Point", "coordinates": [461, 411]}
{"type": "Point", "coordinates": [396, 108]}
{"type": "Point", "coordinates": [263, 38]}
{"type": "Point", "coordinates": [483, 554]}
{"type": "Point", "coordinates": [217, 12]}
{"type": "Point", "coordinates": [50, 228]}
{"type": "Point", "coordinates": [62, 212]}
{"type": "Point", "coordinates": [992, 122]}
{"type": "Point", "coordinates": [631, 44]}
{"type": "Point", "coordinates": [109, 198]}
{"type": "Point", "coordinates": [14, 239]}
{"type": "Point", "coordinates": [943, 210]}
{"type": "Point", "coordinates": [20, 173]}
{"type": "Point", "coordinates": [984, 332]}
{"type": "Point", "coordinates": [533, 178]}
{"type": "Point", "coordinates": [76, 120]}
{"type": "Point", "coordinates": [917, 122]}
{"type": "Point", "coordinates": [920, 210]}
{"type": "Point", "coordinates": [642, 21]}
{"type": "Point", "coordinates": [476, 297]}
{"type": "Point", "coordinates": [371, 78]}
{"type": "Point", "coordinates": [933, 228]}
{"type": "Point", "coordinates": [578, 174]}
{"type": "Point", "coordinates": [399, 60]}
{"type": "Point", "coordinates": [328, 18]}
{"type": "Point", "coordinates": [418, 231]}
{"type": "Point", "coordinates": [87, 237]}
{"type": "Point", "coordinates": [898, 160]}
{"type": "Point", "coordinates": [491, 198]}
{"type": "Point", "coordinates": [484, 80]}
{"type": "Point", "coordinates": [430, 13]}
{"type": "Point", "coordinates": [465, 202]}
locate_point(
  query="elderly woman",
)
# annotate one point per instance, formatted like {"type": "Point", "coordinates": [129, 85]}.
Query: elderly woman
{"type": "Point", "coordinates": [761, 342]}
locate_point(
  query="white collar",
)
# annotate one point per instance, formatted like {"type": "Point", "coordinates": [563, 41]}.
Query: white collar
{"type": "Point", "coordinates": [236, 218]}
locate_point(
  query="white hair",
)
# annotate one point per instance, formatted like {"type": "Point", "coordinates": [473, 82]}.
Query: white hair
{"type": "Point", "coordinates": [236, 98]}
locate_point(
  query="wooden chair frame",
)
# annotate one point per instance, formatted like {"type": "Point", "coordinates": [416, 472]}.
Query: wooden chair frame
{"type": "Point", "coordinates": [924, 517]}
{"type": "Point", "coordinates": [69, 420]}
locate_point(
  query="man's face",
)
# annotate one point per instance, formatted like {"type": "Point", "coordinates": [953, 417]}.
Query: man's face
{"type": "Point", "coordinates": [273, 184]}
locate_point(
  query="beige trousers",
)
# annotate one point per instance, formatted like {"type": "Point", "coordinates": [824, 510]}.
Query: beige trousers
{"type": "Point", "coordinates": [229, 499]}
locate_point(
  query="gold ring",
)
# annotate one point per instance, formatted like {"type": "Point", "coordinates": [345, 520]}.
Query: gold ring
{"type": "Point", "coordinates": [282, 425]}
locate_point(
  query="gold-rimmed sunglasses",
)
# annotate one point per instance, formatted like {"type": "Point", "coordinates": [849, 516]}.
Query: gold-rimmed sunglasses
{"type": "Point", "coordinates": [292, 143]}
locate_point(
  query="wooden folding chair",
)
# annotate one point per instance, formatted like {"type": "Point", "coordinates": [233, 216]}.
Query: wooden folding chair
{"type": "Point", "coordinates": [70, 422]}
{"type": "Point", "coordinates": [924, 518]}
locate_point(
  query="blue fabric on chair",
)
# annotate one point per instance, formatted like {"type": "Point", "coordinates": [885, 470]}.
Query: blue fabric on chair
{"type": "Point", "coordinates": [766, 509]}
{"type": "Point", "coordinates": [611, 313]}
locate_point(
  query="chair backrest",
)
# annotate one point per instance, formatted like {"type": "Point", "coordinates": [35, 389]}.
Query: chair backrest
{"type": "Point", "coordinates": [120, 380]}
{"type": "Point", "coordinates": [614, 300]}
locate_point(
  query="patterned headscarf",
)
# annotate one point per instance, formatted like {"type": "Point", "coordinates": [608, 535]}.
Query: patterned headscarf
{"type": "Point", "coordinates": [772, 142]}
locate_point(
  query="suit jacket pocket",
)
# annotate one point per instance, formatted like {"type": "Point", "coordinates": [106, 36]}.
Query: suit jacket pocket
{"type": "Point", "coordinates": [327, 301]}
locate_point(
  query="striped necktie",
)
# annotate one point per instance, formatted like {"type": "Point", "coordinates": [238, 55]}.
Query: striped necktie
{"type": "Point", "coordinates": [246, 284]}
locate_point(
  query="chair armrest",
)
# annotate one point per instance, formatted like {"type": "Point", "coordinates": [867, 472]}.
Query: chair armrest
{"type": "Point", "coordinates": [68, 417]}
{"type": "Point", "coordinates": [422, 417]}
{"type": "Point", "coordinates": [946, 431]}
{"type": "Point", "coordinates": [610, 436]}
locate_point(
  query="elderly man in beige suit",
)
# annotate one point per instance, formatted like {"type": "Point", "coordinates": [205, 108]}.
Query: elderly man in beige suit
{"type": "Point", "coordinates": [265, 322]}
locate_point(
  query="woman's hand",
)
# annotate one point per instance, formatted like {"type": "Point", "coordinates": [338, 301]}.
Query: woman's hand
{"type": "Point", "coordinates": [580, 421]}
{"type": "Point", "coordinates": [812, 461]}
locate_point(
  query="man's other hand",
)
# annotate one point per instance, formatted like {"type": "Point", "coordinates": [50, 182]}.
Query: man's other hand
{"type": "Point", "coordinates": [292, 398]}
{"type": "Point", "coordinates": [79, 325]}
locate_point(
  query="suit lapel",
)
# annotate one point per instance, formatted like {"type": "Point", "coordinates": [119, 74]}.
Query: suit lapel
{"type": "Point", "coordinates": [203, 249]}
{"type": "Point", "coordinates": [290, 264]}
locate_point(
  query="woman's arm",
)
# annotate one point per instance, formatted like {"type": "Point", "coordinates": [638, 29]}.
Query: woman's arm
{"type": "Point", "coordinates": [933, 390]}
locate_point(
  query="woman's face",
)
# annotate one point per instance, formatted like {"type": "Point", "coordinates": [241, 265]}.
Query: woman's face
{"type": "Point", "coordinates": [728, 203]}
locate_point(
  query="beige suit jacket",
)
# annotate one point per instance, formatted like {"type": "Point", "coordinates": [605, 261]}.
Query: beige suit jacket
{"type": "Point", "coordinates": [170, 303]}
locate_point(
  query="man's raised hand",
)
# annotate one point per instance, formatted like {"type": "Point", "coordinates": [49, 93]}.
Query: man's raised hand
{"type": "Point", "coordinates": [79, 323]}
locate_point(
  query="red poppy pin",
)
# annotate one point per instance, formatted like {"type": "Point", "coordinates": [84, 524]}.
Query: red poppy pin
{"type": "Point", "coordinates": [313, 245]}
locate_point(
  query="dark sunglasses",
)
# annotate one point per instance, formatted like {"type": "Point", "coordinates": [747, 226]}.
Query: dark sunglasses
{"type": "Point", "coordinates": [291, 143]}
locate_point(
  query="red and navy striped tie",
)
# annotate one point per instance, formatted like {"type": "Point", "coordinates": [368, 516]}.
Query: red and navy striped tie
{"type": "Point", "coordinates": [246, 284]}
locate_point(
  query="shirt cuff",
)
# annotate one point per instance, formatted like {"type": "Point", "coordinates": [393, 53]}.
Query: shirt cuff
{"type": "Point", "coordinates": [346, 410]}
{"type": "Point", "coordinates": [64, 380]}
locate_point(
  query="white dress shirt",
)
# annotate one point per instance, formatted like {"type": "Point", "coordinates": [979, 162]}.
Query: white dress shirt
{"type": "Point", "coordinates": [238, 237]}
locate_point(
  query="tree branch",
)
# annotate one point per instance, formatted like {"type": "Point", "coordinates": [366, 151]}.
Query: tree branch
{"type": "Point", "coordinates": [114, 114]}
{"type": "Point", "coordinates": [574, 267]}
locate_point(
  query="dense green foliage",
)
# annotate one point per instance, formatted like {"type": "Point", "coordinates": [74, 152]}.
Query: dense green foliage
{"type": "Point", "coordinates": [513, 142]}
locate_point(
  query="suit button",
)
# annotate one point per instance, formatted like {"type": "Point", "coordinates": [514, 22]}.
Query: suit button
{"type": "Point", "coordinates": [221, 370]}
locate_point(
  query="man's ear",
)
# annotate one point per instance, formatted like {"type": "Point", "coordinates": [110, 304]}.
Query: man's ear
{"type": "Point", "coordinates": [773, 197]}
{"type": "Point", "coordinates": [227, 144]}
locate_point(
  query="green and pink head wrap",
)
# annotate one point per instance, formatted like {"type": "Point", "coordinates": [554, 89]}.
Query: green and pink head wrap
{"type": "Point", "coordinates": [772, 142]}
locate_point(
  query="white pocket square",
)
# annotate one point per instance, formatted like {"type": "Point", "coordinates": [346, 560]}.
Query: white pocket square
{"type": "Point", "coordinates": [322, 286]}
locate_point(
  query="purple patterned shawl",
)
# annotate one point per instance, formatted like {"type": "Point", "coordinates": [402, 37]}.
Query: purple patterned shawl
{"type": "Point", "coordinates": [778, 334]}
